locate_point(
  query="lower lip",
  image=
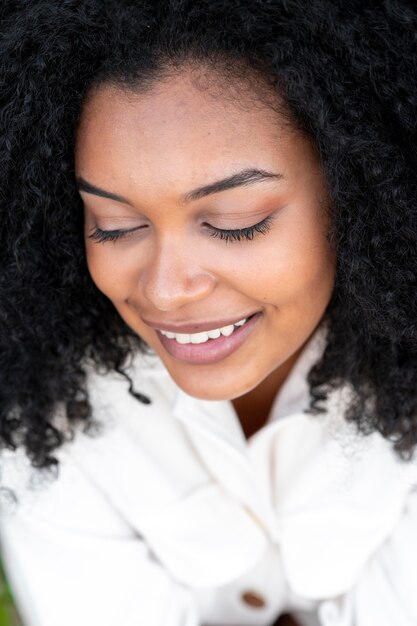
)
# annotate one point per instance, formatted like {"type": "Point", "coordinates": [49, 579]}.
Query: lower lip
{"type": "Point", "coordinates": [213, 350]}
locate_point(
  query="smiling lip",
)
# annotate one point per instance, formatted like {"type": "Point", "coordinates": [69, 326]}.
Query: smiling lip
{"type": "Point", "coordinates": [195, 328]}
{"type": "Point", "coordinates": [213, 350]}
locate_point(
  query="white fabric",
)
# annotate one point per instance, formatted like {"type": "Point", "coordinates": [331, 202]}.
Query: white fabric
{"type": "Point", "coordinates": [169, 515]}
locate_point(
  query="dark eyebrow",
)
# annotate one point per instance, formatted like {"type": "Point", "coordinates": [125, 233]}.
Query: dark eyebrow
{"type": "Point", "coordinates": [84, 185]}
{"type": "Point", "coordinates": [245, 177]}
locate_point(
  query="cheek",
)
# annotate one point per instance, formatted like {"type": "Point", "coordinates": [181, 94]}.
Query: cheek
{"type": "Point", "coordinates": [291, 267]}
{"type": "Point", "coordinates": [113, 273]}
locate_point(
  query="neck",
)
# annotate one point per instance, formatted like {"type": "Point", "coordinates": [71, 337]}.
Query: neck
{"type": "Point", "coordinates": [253, 408]}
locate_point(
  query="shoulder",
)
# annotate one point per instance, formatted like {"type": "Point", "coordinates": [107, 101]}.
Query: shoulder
{"type": "Point", "coordinates": [132, 448]}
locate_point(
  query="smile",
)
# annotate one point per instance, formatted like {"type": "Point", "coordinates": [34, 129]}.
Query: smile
{"type": "Point", "coordinates": [185, 338]}
{"type": "Point", "coordinates": [209, 346]}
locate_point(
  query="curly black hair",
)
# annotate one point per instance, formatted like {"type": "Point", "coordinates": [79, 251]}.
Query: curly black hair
{"type": "Point", "coordinates": [346, 70]}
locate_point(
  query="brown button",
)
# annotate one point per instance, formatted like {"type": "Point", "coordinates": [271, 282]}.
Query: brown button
{"type": "Point", "coordinates": [253, 599]}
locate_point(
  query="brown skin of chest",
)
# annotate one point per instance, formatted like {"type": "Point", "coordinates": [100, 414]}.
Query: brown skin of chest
{"type": "Point", "coordinates": [286, 620]}
{"type": "Point", "coordinates": [252, 416]}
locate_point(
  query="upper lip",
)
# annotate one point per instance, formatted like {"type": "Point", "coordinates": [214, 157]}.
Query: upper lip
{"type": "Point", "coordinates": [195, 327]}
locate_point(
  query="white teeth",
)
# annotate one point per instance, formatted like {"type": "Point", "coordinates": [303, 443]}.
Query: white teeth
{"type": "Point", "coordinates": [185, 338]}
{"type": "Point", "coordinates": [214, 334]}
{"type": "Point", "coordinates": [182, 338]}
{"type": "Point", "coordinates": [199, 337]}
{"type": "Point", "coordinates": [227, 330]}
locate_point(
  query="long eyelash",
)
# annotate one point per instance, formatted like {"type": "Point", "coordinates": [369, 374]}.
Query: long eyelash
{"type": "Point", "coordinates": [99, 235]}
{"type": "Point", "coordinates": [248, 233]}
{"type": "Point", "coordinates": [242, 233]}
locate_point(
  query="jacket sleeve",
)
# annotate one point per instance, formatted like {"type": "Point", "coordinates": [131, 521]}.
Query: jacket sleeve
{"type": "Point", "coordinates": [70, 561]}
{"type": "Point", "coordinates": [385, 593]}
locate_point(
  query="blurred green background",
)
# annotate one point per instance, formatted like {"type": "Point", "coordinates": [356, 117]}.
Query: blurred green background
{"type": "Point", "coordinates": [8, 613]}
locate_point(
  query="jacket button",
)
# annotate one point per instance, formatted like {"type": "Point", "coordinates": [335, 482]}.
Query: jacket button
{"type": "Point", "coordinates": [252, 598]}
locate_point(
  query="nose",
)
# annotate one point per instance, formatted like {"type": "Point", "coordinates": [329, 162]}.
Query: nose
{"type": "Point", "coordinates": [174, 277]}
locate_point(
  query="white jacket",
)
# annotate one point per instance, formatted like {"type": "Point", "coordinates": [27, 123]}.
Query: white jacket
{"type": "Point", "coordinates": [170, 517]}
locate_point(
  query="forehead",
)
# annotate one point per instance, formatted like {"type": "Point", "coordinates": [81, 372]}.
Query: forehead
{"type": "Point", "coordinates": [177, 132]}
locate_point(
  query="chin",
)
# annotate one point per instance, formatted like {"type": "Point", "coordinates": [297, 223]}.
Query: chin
{"type": "Point", "coordinates": [211, 392]}
{"type": "Point", "coordinates": [216, 381]}
{"type": "Point", "coordinates": [198, 389]}
{"type": "Point", "coordinates": [205, 394]}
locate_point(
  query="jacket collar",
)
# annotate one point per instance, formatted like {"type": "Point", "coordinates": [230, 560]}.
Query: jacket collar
{"type": "Point", "coordinates": [219, 418]}
{"type": "Point", "coordinates": [214, 429]}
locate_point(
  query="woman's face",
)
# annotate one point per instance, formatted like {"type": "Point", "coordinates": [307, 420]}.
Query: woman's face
{"type": "Point", "coordinates": [163, 174]}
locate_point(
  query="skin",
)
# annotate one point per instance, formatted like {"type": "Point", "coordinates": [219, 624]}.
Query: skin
{"type": "Point", "coordinates": [151, 148]}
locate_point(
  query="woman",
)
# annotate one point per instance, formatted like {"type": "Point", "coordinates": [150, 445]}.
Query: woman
{"type": "Point", "coordinates": [209, 312]}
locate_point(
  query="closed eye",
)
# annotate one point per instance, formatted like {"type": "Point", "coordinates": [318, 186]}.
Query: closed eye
{"type": "Point", "coordinates": [238, 234]}
{"type": "Point", "coordinates": [228, 235]}
{"type": "Point", "coordinates": [99, 236]}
